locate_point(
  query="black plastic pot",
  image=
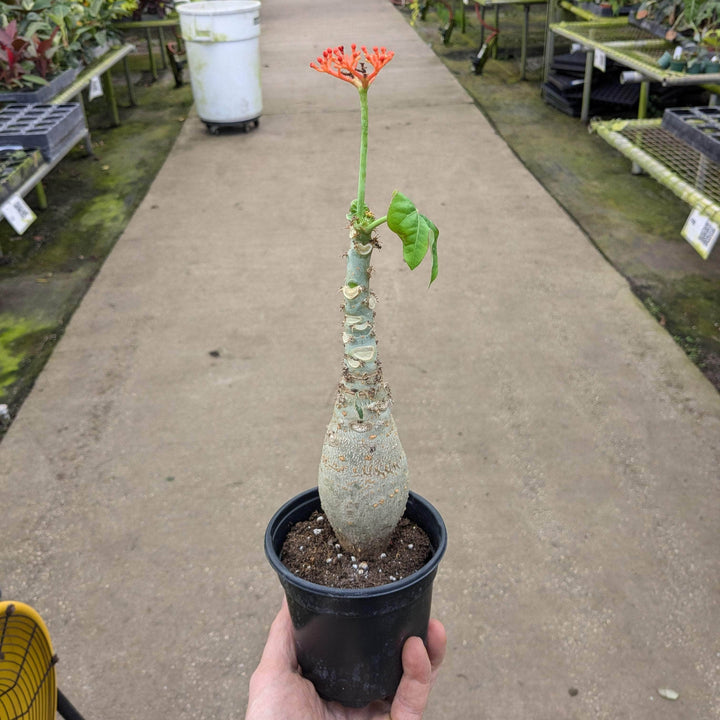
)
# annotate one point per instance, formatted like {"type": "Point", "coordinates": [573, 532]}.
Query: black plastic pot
{"type": "Point", "coordinates": [349, 641]}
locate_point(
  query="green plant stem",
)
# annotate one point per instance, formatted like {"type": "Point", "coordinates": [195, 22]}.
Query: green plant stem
{"type": "Point", "coordinates": [371, 226]}
{"type": "Point", "coordinates": [362, 172]}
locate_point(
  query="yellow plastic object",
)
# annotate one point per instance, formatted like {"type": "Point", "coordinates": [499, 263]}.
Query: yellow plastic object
{"type": "Point", "coordinates": [27, 665]}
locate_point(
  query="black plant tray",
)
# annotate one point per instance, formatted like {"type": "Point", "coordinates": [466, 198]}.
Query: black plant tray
{"type": "Point", "coordinates": [569, 64]}
{"type": "Point", "coordinates": [569, 87]}
{"type": "Point", "coordinates": [16, 166]}
{"type": "Point", "coordinates": [699, 127]}
{"type": "Point", "coordinates": [44, 92]}
{"type": "Point", "coordinates": [613, 92]}
{"type": "Point", "coordinates": [605, 9]}
{"type": "Point", "coordinates": [652, 26]}
{"type": "Point", "coordinates": [40, 126]}
{"type": "Point", "coordinates": [568, 105]}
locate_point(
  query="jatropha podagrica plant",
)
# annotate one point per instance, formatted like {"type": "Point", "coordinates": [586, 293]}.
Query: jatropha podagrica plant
{"type": "Point", "coordinates": [363, 476]}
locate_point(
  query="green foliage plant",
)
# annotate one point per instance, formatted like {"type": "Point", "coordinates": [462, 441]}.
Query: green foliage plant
{"type": "Point", "coordinates": [36, 21]}
{"type": "Point", "coordinates": [363, 473]}
{"type": "Point", "coordinates": [687, 21]}
{"type": "Point", "coordinates": [91, 21]}
{"type": "Point", "coordinates": [701, 18]}
{"type": "Point", "coordinates": [25, 60]}
{"type": "Point", "coordinates": [88, 24]}
{"type": "Point", "coordinates": [32, 16]}
{"type": "Point", "coordinates": [76, 26]}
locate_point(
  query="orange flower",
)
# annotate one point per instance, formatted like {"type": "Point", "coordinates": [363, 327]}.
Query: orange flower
{"type": "Point", "coordinates": [353, 68]}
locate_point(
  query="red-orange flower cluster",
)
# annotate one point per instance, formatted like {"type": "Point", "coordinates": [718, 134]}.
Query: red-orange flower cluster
{"type": "Point", "coordinates": [353, 68]}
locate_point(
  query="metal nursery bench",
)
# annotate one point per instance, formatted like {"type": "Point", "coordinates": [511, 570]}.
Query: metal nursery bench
{"type": "Point", "coordinates": [101, 68]}
{"type": "Point", "coordinates": [159, 25]}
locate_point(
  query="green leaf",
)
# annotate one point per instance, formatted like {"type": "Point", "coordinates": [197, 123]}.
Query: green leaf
{"type": "Point", "coordinates": [433, 249]}
{"type": "Point", "coordinates": [356, 212]}
{"type": "Point", "coordinates": [417, 232]}
{"type": "Point", "coordinates": [35, 79]}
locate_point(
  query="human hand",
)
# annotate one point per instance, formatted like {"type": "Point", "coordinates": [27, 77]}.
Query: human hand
{"type": "Point", "coordinates": [278, 691]}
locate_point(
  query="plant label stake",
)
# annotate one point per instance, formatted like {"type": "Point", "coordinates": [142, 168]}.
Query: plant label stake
{"type": "Point", "coordinates": [600, 60]}
{"type": "Point", "coordinates": [18, 214]}
{"type": "Point", "coordinates": [701, 233]}
{"type": "Point", "coordinates": [95, 90]}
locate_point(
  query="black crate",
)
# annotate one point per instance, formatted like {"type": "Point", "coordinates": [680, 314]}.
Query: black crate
{"type": "Point", "coordinates": [45, 127]}
{"type": "Point", "coordinates": [699, 127]}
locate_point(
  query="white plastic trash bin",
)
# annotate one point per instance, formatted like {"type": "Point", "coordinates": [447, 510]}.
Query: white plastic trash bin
{"type": "Point", "coordinates": [221, 39]}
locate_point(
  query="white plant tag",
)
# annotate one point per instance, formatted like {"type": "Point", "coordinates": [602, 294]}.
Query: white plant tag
{"type": "Point", "coordinates": [18, 214]}
{"type": "Point", "coordinates": [95, 90]}
{"type": "Point", "coordinates": [599, 60]}
{"type": "Point", "coordinates": [701, 233]}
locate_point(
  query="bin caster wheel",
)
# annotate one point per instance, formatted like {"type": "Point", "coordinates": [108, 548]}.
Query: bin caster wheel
{"type": "Point", "coordinates": [213, 129]}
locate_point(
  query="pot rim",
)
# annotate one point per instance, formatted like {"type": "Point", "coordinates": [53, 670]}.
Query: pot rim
{"type": "Point", "coordinates": [379, 591]}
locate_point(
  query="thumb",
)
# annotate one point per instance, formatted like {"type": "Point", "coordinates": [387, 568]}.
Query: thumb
{"type": "Point", "coordinates": [414, 688]}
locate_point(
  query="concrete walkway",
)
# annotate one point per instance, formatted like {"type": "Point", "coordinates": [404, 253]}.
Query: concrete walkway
{"type": "Point", "coordinates": [572, 448]}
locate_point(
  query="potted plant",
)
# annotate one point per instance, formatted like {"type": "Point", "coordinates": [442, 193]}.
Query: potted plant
{"type": "Point", "coordinates": [351, 609]}
{"type": "Point", "coordinates": [88, 26]}
{"type": "Point", "coordinates": [691, 23]}
{"type": "Point", "coordinates": [657, 16]}
{"type": "Point", "coordinates": [29, 71]}
{"type": "Point", "coordinates": [35, 25]}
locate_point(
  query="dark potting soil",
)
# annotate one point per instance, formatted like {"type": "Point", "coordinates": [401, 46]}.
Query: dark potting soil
{"type": "Point", "coordinates": [312, 551]}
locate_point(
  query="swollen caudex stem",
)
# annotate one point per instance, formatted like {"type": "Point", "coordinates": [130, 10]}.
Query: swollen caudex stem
{"type": "Point", "coordinates": [363, 475]}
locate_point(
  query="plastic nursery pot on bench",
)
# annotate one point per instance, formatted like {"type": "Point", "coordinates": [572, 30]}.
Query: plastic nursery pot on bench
{"type": "Point", "coordinates": [349, 641]}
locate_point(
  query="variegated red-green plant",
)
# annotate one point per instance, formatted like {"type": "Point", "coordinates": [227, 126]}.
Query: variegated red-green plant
{"type": "Point", "coordinates": [363, 475]}
{"type": "Point", "coordinates": [25, 61]}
